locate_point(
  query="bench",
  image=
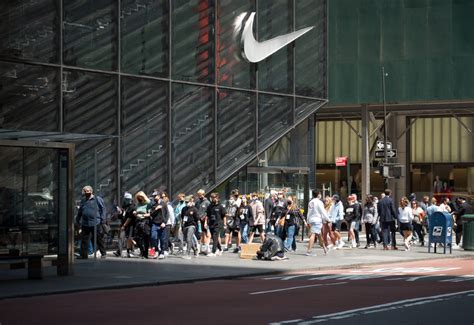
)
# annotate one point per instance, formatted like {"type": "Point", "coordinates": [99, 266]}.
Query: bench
{"type": "Point", "coordinates": [35, 268]}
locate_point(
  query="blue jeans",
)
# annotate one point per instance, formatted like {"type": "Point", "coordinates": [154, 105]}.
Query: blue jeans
{"type": "Point", "coordinates": [160, 234]}
{"type": "Point", "coordinates": [290, 234]}
{"type": "Point", "coordinates": [244, 232]}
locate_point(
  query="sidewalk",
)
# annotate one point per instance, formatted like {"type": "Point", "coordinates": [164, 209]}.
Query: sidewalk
{"type": "Point", "coordinates": [115, 272]}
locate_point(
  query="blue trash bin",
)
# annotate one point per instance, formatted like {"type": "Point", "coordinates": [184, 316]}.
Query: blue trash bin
{"type": "Point", "coordinates": [440, 231]}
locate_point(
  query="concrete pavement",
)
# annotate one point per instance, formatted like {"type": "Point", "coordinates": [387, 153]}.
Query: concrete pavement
{"type": "Point", "coordinates": [115, 272]}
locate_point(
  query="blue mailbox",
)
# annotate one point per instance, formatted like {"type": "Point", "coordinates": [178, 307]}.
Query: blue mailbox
{"type": "Point", "coordinates": [440, 230]}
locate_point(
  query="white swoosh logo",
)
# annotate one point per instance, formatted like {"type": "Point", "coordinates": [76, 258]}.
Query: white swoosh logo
{"type": "Point", "coordinates": [255, 51]}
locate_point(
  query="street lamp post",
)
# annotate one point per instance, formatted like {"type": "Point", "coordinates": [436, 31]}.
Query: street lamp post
{"type": "Point", "coordinates": [385, 160]}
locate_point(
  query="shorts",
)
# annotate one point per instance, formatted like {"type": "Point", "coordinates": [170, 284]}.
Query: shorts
{"type": "Point", "coordinates": [336, 226]}
{"type": "Point", "coordinates": [352, 225]}
{"type": "Point", "coordinates": [406, 227]}
{"type": "Point", "coordinates": [316, 228]}
{"type": "Point", "coordinates": [232, 230]}
{"type": "Point", "coordinates": [255, 227]}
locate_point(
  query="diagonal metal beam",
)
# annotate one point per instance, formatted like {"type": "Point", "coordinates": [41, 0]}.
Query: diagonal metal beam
{"type": "Point", "coordinates": [352, 127]}
{"type": "Point", "coordinates": [461, 122]}
{"type": "Point", "coordinates": [413, 120]}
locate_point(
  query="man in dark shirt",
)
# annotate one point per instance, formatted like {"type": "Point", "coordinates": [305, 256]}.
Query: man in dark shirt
{"type": "Point", "coordinates": [388, 215]}
{"type": "Point", "coordinates": [216, 220]}
{"type": "Point", "coordinates": [190, 219]}
{"type": "Point", "coordinates": [202, 203]}
{"type": "Point", "coordinates": [463, 208]}
{"type": "Point", "coordinates": [91, 217]}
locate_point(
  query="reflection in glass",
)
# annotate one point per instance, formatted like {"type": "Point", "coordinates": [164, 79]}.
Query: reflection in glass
{"type": "Point", "coordinates": [96, 165]}
{"type": "Point", "coordinates": [193, 40]}
{"type": "Point", "coordinates": [236, 130]}
{"type": "Point", "coordinates": [90, 102]}
{"type": "Point", "coordinates": [275, 116]}
{"type": "Point", "coordinates": [310, 49]}
{"type": "Point", "coordinates": [232, 70]}
{"type": "Point", "coordinates": [28, 196]}
{"type": "Point", "coordinates": [90, 32]}
{"type": "Point", "coordinates": [144, 32]}
{"type": "Point", "coordinates": [29, 30]}
{"type": "Point", "coordinates": [276, 72]}
{"type": "Point", "coordinates": [29, 97]}
{"type": "Point", "coordinates": [192, 137]}
{"type": "Point", "coordinates": [144, 134]}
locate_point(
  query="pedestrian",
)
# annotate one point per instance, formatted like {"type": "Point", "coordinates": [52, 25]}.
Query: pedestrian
{"type": "Point", "coordinates": [463, 208]}
{"type": "Point", "coordinates": [269, 205]}
{"type": "Point", "coordinates": [245, 215]}
{"type": "Point", "coordinates": [405, 218]}
{"type": "Point", "coordinates": [143, 224]}
{"type": "Point", "coordinates": [126, 217]}
{"type": "Point", "coordinates": [258, 221]}
{"type": "Point", "coordinates": [190, 220]}
{"type": "Point", "coordinates": [388, 217]}
{"type": "Point", "coordinates": [292, 217]}
{"type": "Point", "coordinates": [327, 232]}
{"type": "Point", "coordinates": [418, 217]}
{"type": "Point", "coordinates": [91, 218]}
{"type": "Point", "coordinates": [369, 218]}
{"type": "Point", "coordinates": [159, 218]}
{"type": "Point", "coordinates": [351, 216]}
{"type": "Point", "coordinates": [216, 221]}
{"type": "Point", "coordinates": [232, 221]}
{"type": "Point", "coordinates": [202, 203]}
{"type": "Point", "coordinates": [317, 214]}
{"type": "Point", "coordinates": [336, 215]}
{"type": "Point", "coordinates": [178, 237]}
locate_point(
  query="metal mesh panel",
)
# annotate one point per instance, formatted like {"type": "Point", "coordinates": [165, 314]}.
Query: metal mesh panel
{"type": "Point", "coordinates": [275, 117]}
{"type": "Point", "coordinates": [30, 30]}
{"type": "Point", "coordinates": [236, 131]}
{"type": "Point", "coordinates": [144, 134]}
{"type": "Point", "coordinates": [192, 137]}
{"type": "Point", "coordinates": [29, 97]}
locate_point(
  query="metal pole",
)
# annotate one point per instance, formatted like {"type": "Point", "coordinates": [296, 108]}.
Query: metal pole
{"type": "Point", "coordinates": [385, 160]}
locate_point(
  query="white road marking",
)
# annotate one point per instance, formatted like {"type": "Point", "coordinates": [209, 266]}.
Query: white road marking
{"type": "Point", "coordinates": [384, 307]}
{"type": "Point", "coordinates": [299, 287]}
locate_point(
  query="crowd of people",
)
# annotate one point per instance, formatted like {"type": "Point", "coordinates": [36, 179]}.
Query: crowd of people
{"type": "Point", "coordinates": [188, 226]}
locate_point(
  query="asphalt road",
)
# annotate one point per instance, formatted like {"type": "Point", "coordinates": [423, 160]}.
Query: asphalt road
{"type": "Point", "coordinates": [425, 292]}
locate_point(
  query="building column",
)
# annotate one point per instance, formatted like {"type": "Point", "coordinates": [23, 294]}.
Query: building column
{"type": "Point", "coordinates": [365, 190]}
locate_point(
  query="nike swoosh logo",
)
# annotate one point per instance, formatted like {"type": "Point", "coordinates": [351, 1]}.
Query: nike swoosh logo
{"type": "Point", "coordinates": [254, 51]}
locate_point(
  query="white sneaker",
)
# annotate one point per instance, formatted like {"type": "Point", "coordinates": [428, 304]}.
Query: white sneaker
{"type": "Point", "coordinates": [341, 244]}
{"type": "Point", "coordinates": [161, 256]}
{"type": "Point", "coordinates": [166, 253]}
{"type": "Point", "coordinates": [354, 244]}
{"type": "Point", "coordinates": [219, 252]}
{"type": "Point", "coordinates": [186, 257]}
{"type": "Point", "coordinates": [211, 255]}
{"type": "Point", "coordinates": [309, 254]}
{"type": "Point", "coordinates": [330, 246]}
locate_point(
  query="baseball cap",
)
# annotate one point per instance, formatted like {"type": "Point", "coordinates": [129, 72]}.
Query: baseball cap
{"type": "Point", "coordinates": [127, 195]}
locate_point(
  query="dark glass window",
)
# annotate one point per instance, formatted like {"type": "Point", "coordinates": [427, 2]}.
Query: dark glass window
{"type": "Point", "coordinates": [192, 137]}
{"type": "Point", "coordinates": [29, 30]}
{"type": "Point", "coordinates": [275, 116]}
{"type": "Point", "coordinates": [144, 134]}
{"type": "Point", "coordinates": [29, 209]}
{"type": "Point", "coordinates": [236, 130]}
{"type": "Point", "coordinates": [29, 97]}
{"type": "Point", "coordinates": [193, 40]}
{"type": "Point", "coordinates": [90, 34]}
{"type": "Point", "coordinates": [275, 73]}
{"type": "Point", "coordinates": [90, 102]}
{"type": "Point", "coordinates": [310, 49]}
{"type": "Point", "coordinates": [145, 37]}
{"type": "Point", "coordinates": [232, 69]}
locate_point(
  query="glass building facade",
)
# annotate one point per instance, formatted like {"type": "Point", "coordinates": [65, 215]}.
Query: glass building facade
{"type": "Point", "coordinates": [155, 93]}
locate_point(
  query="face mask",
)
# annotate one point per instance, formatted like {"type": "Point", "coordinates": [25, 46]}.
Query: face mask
{"type": "Point", "coordinates": [289, 202]}
{"type": "Point", "coordinates": [88, 195]}
{"type": "Point", "coordinates": [127, 202]}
